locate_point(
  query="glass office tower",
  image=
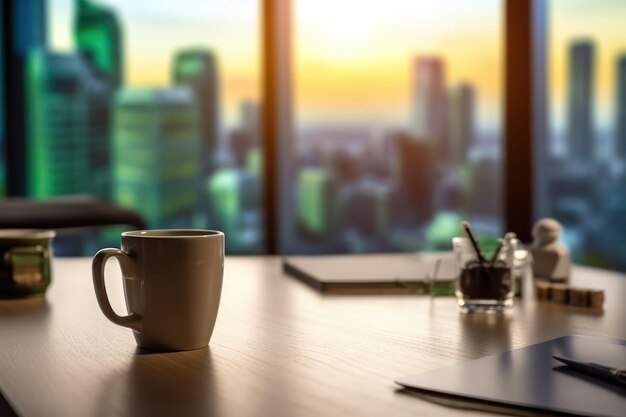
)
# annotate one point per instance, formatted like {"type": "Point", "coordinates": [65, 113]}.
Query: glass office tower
{"type": "Point", "coordinates": [429, 120]}
{"type": "Point", "coordinates": [65, 134]}
{"type": "Point", "coordinates": [244, 141]}
{"type": "Point", "coordinates": [461, 122]}
{"type": "Point", "coordinates": [156, 155]}
{"type": "Point", "coordinates": [580, 105]}
{"type": "Point", "coordinates": [316, 205]}
{"type": "Point", "coordinates": [196, 69]}
{"type": "Point", "coordinates": [98, 40]}
{"type": "Point", "coordinates": [366, 211]}
{"type": "Point", "coordinates": [620, 107]}
{"type": "Point", "coordinates": [234, 194]}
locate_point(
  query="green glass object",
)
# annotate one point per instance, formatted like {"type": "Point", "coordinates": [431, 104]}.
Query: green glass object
{"type": "Point", "coordinates": [25, 262]}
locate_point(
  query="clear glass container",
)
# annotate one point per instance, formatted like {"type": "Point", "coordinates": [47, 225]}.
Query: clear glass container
{"type": "Point", "coordinates": [487, 286]}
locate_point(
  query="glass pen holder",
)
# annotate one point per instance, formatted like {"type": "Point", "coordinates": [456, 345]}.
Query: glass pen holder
{"type": "Point", "coordinates": [484, 285]}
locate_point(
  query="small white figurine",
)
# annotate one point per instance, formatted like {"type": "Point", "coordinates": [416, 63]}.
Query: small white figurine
{"type": "Point", "coordinates": [551, 258]}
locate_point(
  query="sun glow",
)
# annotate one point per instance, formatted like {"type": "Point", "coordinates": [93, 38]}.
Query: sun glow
{"type": "Point", "coordinates": [353, 58]}
{"type": "Point", "coordinates": [343, 29]}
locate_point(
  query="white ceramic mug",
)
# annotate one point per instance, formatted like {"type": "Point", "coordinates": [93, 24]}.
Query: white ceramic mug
{"type": "Point", "coordinates": [172, 286]}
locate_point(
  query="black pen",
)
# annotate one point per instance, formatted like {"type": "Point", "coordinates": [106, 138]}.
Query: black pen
{"type": "Point", "coordinates": [470, 235]}
{"type": "Point", "coordinates": [594, 369]}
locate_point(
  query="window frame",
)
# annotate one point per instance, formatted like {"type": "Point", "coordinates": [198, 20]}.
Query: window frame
{"type": "Point", "coordinates": [525, 115]}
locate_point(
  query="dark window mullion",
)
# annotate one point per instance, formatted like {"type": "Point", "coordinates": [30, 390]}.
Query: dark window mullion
{"type": "Point", "coordinates": [277, 130]}
{"type": "Point", "coordinates": [524, 110]}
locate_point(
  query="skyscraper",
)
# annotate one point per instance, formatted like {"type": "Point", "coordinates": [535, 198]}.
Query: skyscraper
{"type": "Point", "coordinates": [316, 202]}
{"type": "Point", "coordinates": [428, 117]}
{"type": "Point", "coordinates": [156, 163]}
{"type": "Point", "coordinates": [620, 108]}
{"type": "Point", "coordinates": [251, 119]}
{"type": "Point", "coordinates": [580, 102]}
{"type": "Point", "coordinates": [234, 195]}
{"type": "Point", "coordinates": [484, 180]}
{"type": "Point", "coordinates": [416, 172]}
{"type": "Point", "coordinates": [196, 69]}
{"type": "Point", "coordinates": [245, 138]}
{"type": "Point", "coordinates": [367, 208]}
{"type": "Point", "coordinates": [22, 32]}
{"type": "Point", "coordinates": [462, 123]}
{"type": "Point", "coordinates": [64, 134]}
{"type": "Point", "coordinates": [98, 39]}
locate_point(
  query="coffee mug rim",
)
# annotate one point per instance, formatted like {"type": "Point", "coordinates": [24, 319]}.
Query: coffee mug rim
{"type": "Point", "coordinates": [8, 234]}
{"type": "Point", "coordinates": [161, 234]}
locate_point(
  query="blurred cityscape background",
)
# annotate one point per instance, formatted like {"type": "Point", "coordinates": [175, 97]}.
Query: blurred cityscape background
{"type": "Point", "coordinates": [397, 119]}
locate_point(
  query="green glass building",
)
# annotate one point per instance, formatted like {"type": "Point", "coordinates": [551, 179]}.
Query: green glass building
{"type": "Point", "coordinates": [156, 148]}
{"type": "Point", "coordinates": [65, 135]}
{"type": "Point", "coordinates": [196, 69]}
{"type": "Point", "coordinates": [316, 202]}
{"type": "Point", "coordinates": [234, 194]}
{"type": "Point", "coordinates": [98, 39]}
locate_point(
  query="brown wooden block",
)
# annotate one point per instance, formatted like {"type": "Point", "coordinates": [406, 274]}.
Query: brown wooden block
{"type": "Point", "coordinates": [560, 293]}
{"type": "Point", "coordinates": [579, 297]}
{"type": "Point", "coordinates": [543, 291]}
{"type": "Point", "coordinates": [596, 298]}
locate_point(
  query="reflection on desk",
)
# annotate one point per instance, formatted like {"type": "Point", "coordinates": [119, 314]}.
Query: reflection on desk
{"type": "Point", "coordinates": [279, 348]}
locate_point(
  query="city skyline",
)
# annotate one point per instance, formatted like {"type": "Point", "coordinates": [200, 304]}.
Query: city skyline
{"type": "Point", "coordinates": [401, 187]}
{"type": "Point", "coordinates": [331, 88]}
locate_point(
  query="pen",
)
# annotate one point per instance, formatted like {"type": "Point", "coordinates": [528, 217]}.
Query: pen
{"type": "Point", "coordinates": [497, 251]}
{"type": "Point", "coordinates": [594, 369]}
{"type": "Point", "coordinates": [470, 235]}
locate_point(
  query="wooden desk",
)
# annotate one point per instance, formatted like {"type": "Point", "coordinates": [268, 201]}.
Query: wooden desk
{"type": "Point", "coordinates": [278, 349]}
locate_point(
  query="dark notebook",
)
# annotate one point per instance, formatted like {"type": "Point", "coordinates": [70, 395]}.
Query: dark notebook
{"type": "Point", "coordinates": [530, 378]}
{"type": "Point", "coordinates": [374, 273]}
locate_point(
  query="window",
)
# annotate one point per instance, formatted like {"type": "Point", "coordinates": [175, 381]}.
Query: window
{"type": "Point", "coordinates": [586, 181]}
{"type": "Point", "coordinates": [397, 116]}
{"type": "Point", "coordinates": [153, 106]}
{"type": "Point", "coordinates": [398, 123]}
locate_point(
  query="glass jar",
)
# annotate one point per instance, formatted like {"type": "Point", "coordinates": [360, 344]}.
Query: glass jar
{"type": "Point", "coordinates": [483, 286]}
{"type": "Point", "coordinates": [25, 262]}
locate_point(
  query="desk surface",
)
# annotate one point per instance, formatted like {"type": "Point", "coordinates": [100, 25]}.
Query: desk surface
{"type": "Point", "coordinates": [278, 349]}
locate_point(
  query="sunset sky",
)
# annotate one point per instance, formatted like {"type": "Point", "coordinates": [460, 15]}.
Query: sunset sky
{"type": "Point", "coordinates": [352, 58]}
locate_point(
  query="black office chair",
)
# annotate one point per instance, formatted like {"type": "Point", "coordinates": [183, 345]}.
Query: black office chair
{"type": "Point", "coordinates": [81, 211]}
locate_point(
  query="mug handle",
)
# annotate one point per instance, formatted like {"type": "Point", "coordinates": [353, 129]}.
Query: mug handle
{"type": "Point", "coordinates": [127, 264]}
